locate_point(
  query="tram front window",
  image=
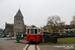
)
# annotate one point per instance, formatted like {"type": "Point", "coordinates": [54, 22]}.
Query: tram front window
{"type": "Point", "coordinates": [32, 31]}
{"type": "Point", "coordinates": [35, 31]}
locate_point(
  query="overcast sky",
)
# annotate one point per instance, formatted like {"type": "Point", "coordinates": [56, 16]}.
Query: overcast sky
{"type": "Point", "coordinates": [36, 12]}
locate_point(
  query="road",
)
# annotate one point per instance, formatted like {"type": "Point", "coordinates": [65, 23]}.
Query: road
{"type": "Point", "coordinates": [57, 47]}
{"type": "Point", "coordinates": [4, 40]}
{"type": "Point", "coordinates": [10, 44]}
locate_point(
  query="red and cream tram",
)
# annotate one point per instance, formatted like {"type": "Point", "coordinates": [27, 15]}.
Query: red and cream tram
{"type": "Point", "coordinates": [33, 34]}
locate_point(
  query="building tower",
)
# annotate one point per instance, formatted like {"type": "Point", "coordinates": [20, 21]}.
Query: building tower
{"type": "Point", "coordinates": [18, 23]}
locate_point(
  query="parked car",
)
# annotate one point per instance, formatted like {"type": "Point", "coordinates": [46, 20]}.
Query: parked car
{"type": "Point", "coordinates": [8, 36]}
{"type": "Point", "coordinates": [3, 36]}
{"type": "Point", "coordinates": [0, 35]}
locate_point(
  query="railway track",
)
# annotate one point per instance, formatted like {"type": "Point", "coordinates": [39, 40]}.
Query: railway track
{"type": "Point", "coordinates": [31, 47]}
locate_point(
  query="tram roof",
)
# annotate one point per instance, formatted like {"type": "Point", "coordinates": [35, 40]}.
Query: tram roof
{"type": "Point", "coordinates": [32, 28]}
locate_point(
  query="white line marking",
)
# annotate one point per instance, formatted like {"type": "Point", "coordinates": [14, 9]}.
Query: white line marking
{"type": "Point", "coordinates": [31, 47]}
{"type": "Point", "coordinates": [25, 47]}
{"type": "Point", "coordinates": [38, 47]}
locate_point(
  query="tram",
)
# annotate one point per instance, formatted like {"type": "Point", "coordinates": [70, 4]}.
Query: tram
{"type": "Point", "coordinates": [33, 34]}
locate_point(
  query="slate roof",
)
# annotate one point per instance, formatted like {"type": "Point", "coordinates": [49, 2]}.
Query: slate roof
{"type": "Point", "coordinates": [19, 14]}
{"type": "Point", "coordinates": [9, 26]}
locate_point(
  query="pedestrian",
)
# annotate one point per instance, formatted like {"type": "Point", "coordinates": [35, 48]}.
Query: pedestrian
{"type": "Point", "coordinates": [22, 36]}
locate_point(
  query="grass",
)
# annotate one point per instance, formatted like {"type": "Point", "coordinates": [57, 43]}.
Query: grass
{"type": "Point", "coordinates": [71, 49]}
{"type": "Point", "coordinates": [69, 40]}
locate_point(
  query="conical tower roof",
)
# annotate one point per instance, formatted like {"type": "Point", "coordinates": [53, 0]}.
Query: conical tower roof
{"type": "Point", "coordinates": [19, 14]}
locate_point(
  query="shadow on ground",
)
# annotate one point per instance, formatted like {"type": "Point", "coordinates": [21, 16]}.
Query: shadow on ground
{"type": "Point", "coordinates": [34, 43]}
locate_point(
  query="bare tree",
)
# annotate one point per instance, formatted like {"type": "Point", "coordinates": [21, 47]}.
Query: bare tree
{"type": "Point", "coordinates": [62, 26]}
{"type": "Point", "coordinates": [72, 23]}
{"type": "Point", "coordinates": [54, 24]}
{"type": "Point", "coordinates": [45, 28]}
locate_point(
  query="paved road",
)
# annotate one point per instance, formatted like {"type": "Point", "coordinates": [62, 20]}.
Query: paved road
{"type": "Point", "coordinates": [4, 40]}
{"type": "Point", "coordinates": [57, 47]}
{"type": "Point", "coordinates": [11, 44]}
{"type": "Point", "coordinates": [31, 47]}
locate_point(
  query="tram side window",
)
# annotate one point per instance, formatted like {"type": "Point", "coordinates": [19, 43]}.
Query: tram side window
{"type": "Point", "coordinates": [35, 31]}
{"type": "Point", "coordinates": [28, 31]}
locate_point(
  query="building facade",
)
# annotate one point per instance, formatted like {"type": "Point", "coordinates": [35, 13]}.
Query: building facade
{"type": "Point", "coordinates": [18, 25]}
{"type": "Point", "coordinates": [1, 31]}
